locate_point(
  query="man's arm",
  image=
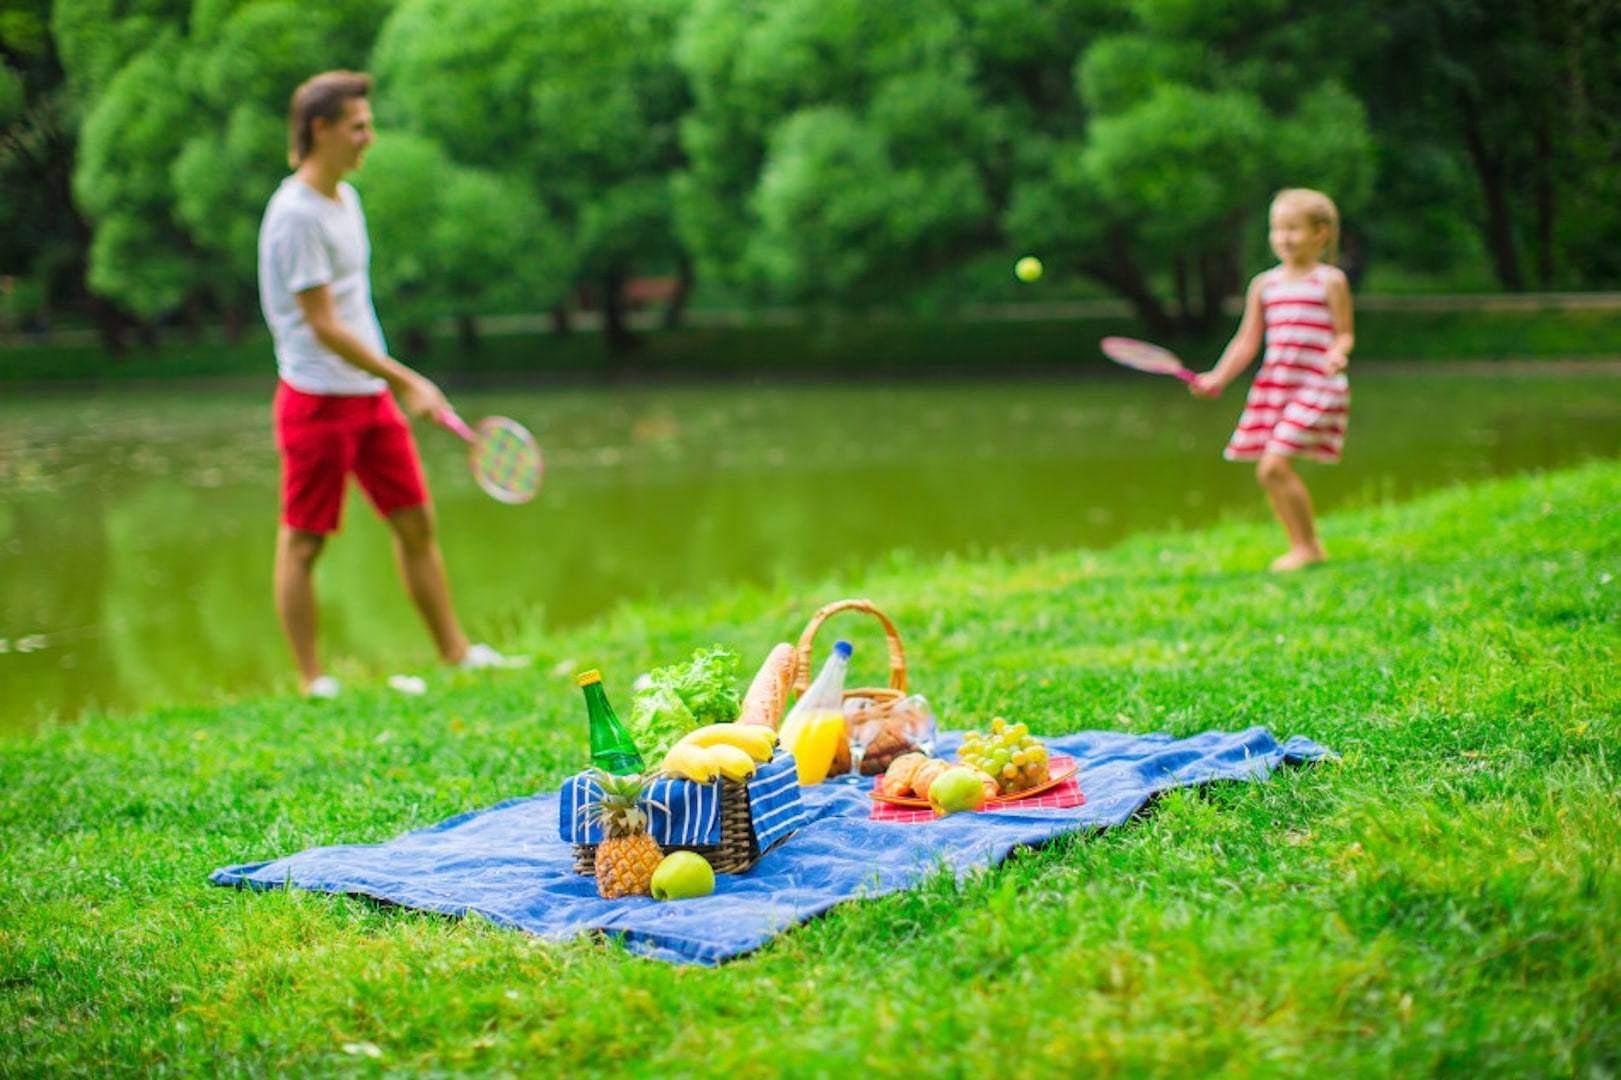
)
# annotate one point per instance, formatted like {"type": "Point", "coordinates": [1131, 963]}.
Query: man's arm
{"type": "Point", "coordinates": [417, 393]}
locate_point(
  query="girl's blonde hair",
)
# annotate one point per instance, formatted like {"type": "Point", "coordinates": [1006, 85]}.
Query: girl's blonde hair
{"type": "Point", "coordinates": [1318, 209]}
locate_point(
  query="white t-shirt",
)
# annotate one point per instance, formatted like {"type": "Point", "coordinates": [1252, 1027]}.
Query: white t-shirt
{"type": "Point", "coordinates": [305, 240]}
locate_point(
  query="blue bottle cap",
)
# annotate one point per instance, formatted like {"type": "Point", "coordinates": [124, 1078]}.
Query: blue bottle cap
{"type": "Point", "coordinates": [843, 649]}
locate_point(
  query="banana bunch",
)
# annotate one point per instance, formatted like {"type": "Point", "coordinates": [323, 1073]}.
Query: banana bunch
{"type": "Point", "coordinates": [728, 750]}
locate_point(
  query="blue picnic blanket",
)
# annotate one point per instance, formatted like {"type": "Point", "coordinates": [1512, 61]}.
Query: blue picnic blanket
{"type": "Point", "coordinates": [687, 813]}
{"type": "Point", "coordinates": [507, 864]}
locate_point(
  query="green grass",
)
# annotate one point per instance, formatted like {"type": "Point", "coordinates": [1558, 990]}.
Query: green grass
{"type": "Point", "coordinates": [853, 347]}
{"type": "Point", "coordinates": [1445, 899]}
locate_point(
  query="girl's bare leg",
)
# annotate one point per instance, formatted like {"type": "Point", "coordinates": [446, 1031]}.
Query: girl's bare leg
{"type": "Point", "coordinates": [1292, 503]}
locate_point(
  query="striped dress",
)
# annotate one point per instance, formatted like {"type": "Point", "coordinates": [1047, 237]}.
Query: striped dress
{"type": "Point", "coordinates": [1295, 407]}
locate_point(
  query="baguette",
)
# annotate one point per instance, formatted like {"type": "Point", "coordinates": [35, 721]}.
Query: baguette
{"type": "Point", "coordinates": [768, 693]}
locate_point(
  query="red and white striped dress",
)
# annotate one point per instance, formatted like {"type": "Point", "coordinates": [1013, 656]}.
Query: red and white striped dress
{"type": "Point", "coordinates": [1295, 407]}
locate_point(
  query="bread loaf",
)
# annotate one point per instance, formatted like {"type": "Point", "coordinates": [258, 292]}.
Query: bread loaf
{"type": "Point", "coordinates": [767, 695]}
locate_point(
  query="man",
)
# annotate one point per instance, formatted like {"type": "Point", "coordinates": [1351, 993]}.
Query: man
{"type": "Point", "coordinates": [335, 410]}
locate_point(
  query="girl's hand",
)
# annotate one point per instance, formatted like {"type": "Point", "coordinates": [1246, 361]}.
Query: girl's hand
{"type": "Point", "coordinates": [1205, 385]}
{"type": "Point", "coordinates": [1336, 361]}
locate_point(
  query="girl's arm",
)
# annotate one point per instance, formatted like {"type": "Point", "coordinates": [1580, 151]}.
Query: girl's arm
{"type": "Point", "coordinates": [1339, 306]}
{"type": "Point", "coordinates": [1240, 351]}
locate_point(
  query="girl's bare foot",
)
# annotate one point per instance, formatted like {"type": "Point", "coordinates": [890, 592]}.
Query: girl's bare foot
{"type": "Point", "coordinates": [1298, 558]}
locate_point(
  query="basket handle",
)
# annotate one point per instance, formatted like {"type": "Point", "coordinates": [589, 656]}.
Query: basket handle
{"type": "Point", "coordinates": [802, 652]}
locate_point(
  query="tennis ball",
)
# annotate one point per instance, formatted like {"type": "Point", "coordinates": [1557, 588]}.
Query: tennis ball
{"type": "Point", "coordinates": [1027, 269]}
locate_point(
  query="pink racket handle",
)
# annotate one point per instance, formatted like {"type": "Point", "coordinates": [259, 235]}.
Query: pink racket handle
{"type": "Point", "coordinates": [454, 423]}
{"type": "Point", "coordinates": [1185, 375]}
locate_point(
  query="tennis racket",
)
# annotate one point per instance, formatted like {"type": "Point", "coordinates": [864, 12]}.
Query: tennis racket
{"type": "Point", "coordinates": [1140, 355]}
{"type": "Point", "coordinates": [501, 454]}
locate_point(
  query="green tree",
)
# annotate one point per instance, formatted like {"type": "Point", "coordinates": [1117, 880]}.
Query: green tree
{"type": "Point", "coordinates": [244, 59]}
{"type": "Point", "coordinates": [1504, 113]}
{"type": "Point", "coordinates": [133, 133]}
{"type": "Point", "coordinates": [43, 239]}
{"type": "Point", "coordinates": [574, 102]}
{"type": "Point", "coordinates": [183, 134]}
{"type": "Point", "coordinates": [869, 146]}
{"type": "Point", "coordinates": [450, 241]}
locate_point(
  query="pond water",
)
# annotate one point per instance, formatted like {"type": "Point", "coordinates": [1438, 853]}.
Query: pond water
{"type": "Point", "coordinates": [137, 526]}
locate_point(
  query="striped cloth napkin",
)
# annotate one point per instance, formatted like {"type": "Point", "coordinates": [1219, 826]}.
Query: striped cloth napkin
{"type": "Point", "coordinates": [685, 813]}
{"type": "Point", "coordinates": [1065, 796]}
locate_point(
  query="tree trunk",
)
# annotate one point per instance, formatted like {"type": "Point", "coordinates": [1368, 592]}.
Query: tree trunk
{"type": "Point", "coordinates": [1499, 224]}
{"type": "Point", "coordinates": [193, 312]}
{"type": "Point", "coordinates": [1545, 206]}
{"type": "Point", "coordinates": [111, 326]}
{"type": "Point", "coordinates": [417, 342]}
{"type": "Point", "coordinates": [683, 288]}
{"type": "Point", "coordinates": [560, 319]}
{"type": "Point", "coordinates": [234, 322]}
{"type": "Point", "coordinates": [1121, 273]}
{"type": "Point", "coordinates": [1180, 271]}
{"type": "Point", "coordinates": [616, 331]}
{"type": "Point", "coordinates": [467, 334]}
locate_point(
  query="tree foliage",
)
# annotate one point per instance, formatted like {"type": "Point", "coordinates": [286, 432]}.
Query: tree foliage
{"type": "Point", "coordinates": [573, 103]}
{"type": "Point", "coordinates": [831, 152]}
{"type": "Point", "coordinates": [869, 145]}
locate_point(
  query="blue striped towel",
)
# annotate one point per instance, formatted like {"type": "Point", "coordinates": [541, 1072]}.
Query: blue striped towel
{"type": "Point", "coordinates": [685, 813]}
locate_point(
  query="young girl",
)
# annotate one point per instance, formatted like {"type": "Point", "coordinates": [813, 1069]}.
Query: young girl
{"type": "Point", "coordinates": [1297, 404]}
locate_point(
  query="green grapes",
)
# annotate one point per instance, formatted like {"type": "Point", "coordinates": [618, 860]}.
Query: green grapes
{"type": "Point", "coordinates": [1008, 754]}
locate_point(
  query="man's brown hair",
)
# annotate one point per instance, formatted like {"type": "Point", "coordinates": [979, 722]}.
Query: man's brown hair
{"type": "Point", "coordinates": [326, 96]}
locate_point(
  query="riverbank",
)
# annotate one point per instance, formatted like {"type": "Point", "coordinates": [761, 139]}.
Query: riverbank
{"type": "Point", "coordinates": [1031, 339]}
{"type": "Point", "coordinates": [1446, 897]}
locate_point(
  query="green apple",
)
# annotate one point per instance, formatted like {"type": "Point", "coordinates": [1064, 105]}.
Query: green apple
{"type": "Point", "coordinates": [683, 875]}
{"type": "Point", "coordinates": [958, 788]}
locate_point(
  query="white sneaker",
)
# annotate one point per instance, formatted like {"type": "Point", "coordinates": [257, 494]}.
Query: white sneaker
{"type": "Point", "coordinates": [414, 685]}
{"type": "Point", "coordinates": [481, 657]}
{"type": "Point", "coordinates": [324, 687]}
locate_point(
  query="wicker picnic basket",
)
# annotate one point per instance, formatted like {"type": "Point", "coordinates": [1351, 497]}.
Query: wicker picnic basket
{"type": "Point", "coordinates": [739, 847]}
{"type": "Point", "coordinates": [888, 703]}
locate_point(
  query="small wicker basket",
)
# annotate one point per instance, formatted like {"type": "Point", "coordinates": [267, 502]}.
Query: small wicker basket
{"type": "Point", "coordinates": [884, 702]}
{"type": "Point", "coordinates": [739, 847]}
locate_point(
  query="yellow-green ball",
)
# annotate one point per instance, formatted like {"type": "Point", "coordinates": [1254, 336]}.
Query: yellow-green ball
{"type": "Point", "coordinates": [1027, 269]}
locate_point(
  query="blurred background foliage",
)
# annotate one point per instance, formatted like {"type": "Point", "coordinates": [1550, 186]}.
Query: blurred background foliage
{"type": "Point", "coordinates": [830, 154]}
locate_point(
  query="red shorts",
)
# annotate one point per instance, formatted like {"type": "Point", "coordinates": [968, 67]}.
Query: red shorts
{"type": "Point", "coordinates": [323, 438]}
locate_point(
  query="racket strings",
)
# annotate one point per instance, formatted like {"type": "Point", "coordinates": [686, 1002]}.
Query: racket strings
{"type": "Point", "coordinates": [507, 462]}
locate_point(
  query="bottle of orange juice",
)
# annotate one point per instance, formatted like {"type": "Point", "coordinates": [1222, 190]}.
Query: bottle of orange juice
{"type": "Point", "coordinates": [812, 728]}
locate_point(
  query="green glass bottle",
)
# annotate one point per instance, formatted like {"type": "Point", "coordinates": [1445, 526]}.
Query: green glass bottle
{"type": "Point", "coordinates": [611, 747]}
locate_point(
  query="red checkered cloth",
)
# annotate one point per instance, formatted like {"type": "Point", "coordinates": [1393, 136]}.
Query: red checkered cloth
{"type": "Point", "coordinates": [1063, 797]}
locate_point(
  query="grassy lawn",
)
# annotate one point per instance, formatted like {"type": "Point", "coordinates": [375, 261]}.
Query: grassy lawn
{"type": "Point", "coordinates": [1445, 899]}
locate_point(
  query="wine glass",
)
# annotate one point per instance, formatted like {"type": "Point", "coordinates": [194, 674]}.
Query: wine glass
{"type": "Point", "coordinates": [863, 730]}
{"type": "Point", "coordinates": [919, 727]}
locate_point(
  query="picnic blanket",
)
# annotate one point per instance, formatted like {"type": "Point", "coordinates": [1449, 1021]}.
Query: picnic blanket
{"type": "Point", "coordinates": [507, 864]}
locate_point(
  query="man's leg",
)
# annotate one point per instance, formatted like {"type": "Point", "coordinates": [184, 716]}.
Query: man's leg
{"type": "Point", "coordinates": [422, 566]}
{"type": "Point", "coordinates": [296, 551]}
{"type": "Point", "coordinates": [1292, 503]}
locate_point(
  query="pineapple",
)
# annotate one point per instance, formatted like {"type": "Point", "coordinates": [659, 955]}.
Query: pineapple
{"type": "Point", "coordinates": [627, 856]}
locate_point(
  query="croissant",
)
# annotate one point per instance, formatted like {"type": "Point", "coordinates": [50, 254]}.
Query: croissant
{"type": "Point", "coordinates": [926, 775]}
{"type": "Point", "coordinates": [898, 778]}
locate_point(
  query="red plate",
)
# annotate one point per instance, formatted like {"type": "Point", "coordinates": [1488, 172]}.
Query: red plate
{"type": "Point", "coordinates": [1060, 767]}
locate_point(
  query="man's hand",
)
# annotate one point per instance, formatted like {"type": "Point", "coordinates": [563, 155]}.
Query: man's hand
{"type": "Point", "coordinates": [421, 398]}
{"type": "Point", "coordinates": [1206, 385]}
